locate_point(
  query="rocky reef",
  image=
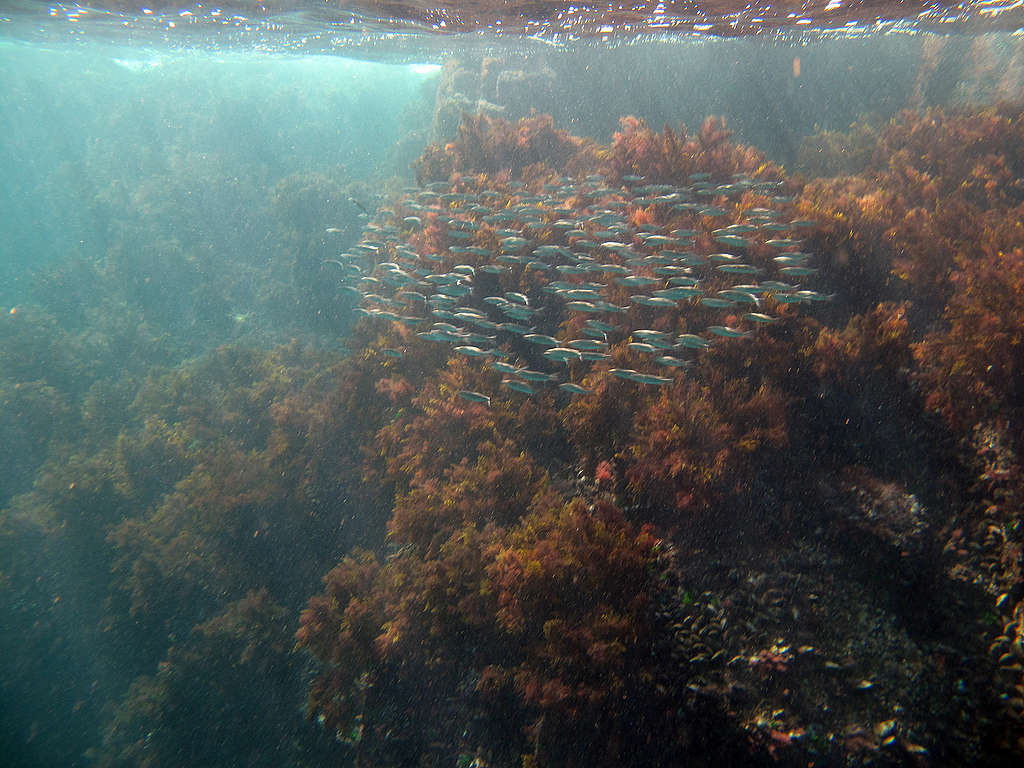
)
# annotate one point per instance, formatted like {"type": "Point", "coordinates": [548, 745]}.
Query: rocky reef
{"type": "Point", "coordinates": [828, 564]}
{"type": "Point", "coordinates": [805, 547]}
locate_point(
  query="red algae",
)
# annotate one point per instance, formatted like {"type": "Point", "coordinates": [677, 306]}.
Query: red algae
{"type": "Point", "coordinates": [785, 551]}
{"type": "Point", "coordinates": [492, 146]}
{"type": "Point", "coordinates": [500, 571]}
{"type": "Point", "coordinates": [513, 563]}
{"type": "Point", "coordinates": [672, 156]}
{"type": "Point", "coordinates": [551, 610]}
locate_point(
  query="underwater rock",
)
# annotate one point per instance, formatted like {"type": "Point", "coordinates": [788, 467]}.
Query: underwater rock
{"type": "Point", "coordinates": [887, 512]}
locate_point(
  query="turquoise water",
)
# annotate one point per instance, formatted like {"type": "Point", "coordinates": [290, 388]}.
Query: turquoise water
{"type": "Point", "coordinates": [190, 440]}
{"type": "Point", "coordinates": [81, 120]}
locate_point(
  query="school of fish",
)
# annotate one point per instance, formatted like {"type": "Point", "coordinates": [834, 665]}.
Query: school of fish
{"type": "Point", "coordinates": [540, 284]}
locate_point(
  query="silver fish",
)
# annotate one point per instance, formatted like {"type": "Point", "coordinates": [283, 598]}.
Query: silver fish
{"type": "Point", "coordinates": [474, 397]}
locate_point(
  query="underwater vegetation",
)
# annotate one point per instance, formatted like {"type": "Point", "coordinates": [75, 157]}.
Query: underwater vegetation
{"type": "Point", "coordinates": [778, 528]}
{"type": "Point", "coordinates": [547, 617]}
{"type": "Point", "coordinates": [769, 486]}
{"type": "Point", "coordinates": [936, 202]}
{"type": "Point", "coordinates": [175, 509]}
{"type": "Point", "coordinates": [249, 689]}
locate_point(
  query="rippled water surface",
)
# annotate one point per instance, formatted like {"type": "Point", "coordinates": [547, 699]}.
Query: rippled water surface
{"type": "Point", "coordinates": [327, 24]}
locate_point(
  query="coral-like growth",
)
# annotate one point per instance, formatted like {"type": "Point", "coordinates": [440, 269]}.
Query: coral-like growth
{"type": "Point", "coordinates": [936, 153]}
{"type": "Point", "coordinates": [938, 198]}
{"type": "Point", "coordinates": [973, 367]}
{"type": "Point", "coordinates": [878, 341]}
{"type": "Point", "coordinates": [672, 156]}
{"type": "Point", "coordinates": [492, 145]}
{"type": "Point", "coordinates": [552, 612]}
{"type": "Point", "coordinates": [698, 441]}
{"type": "Point", "coordinates": [936, 209]}
{"type": "Point", "coordinates": [495, 489]}
{"type": "Point", "coordinates": [340, 627]}
{"type": "Point", "coordinates": [600, 424]}
{"type": "Point", "coordinates": [440, 432]}
{"type": "Point", "coordinates": [572, 592]}
{"type": "Point", "coordinates": [917, 202]}
{"type": "Point", "coordinates": [402, 631]}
